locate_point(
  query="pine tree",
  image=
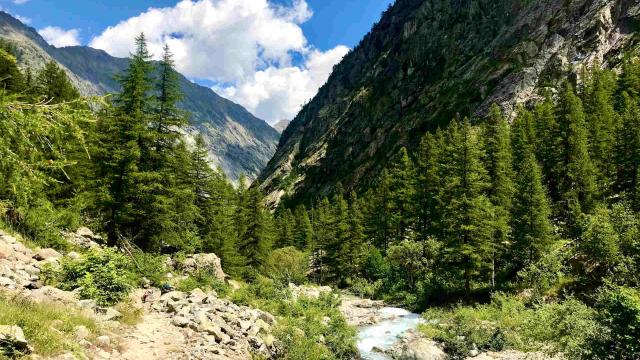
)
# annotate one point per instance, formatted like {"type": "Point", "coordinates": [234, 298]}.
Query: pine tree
{"type": "Point", "coordinates": [500, 171]}
{"type": "Point", "coordinates": [324, 233]}
{"type": "Point", "coordinates": [122, 145]}
{"type": "Point", "coordinates": [466, 212]}
{"type": "Point", "coordinates": [54, 85]}
{"type": "Point", "coordinates": [379, 212]}
{"type": "Point", "coordinates": [167, 117]}
{"type": "Point", "coordinates": [11, 79]}
{"type": "Point", "coordinates": [402, 195]}
{"type": "Point", "coordinates": [578, 183]}
{"type": "Point", "coordinates": [532, 230]}
{"type": "Point", "coordinates": [523, 136]}
{"type": "Point", "coordinates": [549, 147]}
{"type": "Point", "coordinates": [256, 241]}
{"type": "Point", "coordinates": [303, 231]}
{"type": "Point", "coordinates": [627, 152]}
{"type": "Point", "coordinates": [356, 246]}
{"type": "Point", "coordinates": [602, 123]}
{"type": "Point", "coordinates": [337, 256]}
{"type": "Point", "coordinates": [285, 223]}
{"type": "Point", "coordinates": [428, 185]}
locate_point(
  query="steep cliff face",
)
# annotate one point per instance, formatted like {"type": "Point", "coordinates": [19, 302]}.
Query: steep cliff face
{"type": "Point", "coordinates": [428, 61]}
{"type": "Point", "coordinates": [238, 142]}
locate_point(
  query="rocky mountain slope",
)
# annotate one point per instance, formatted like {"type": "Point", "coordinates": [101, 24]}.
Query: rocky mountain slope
{"type": "Point", "coordinates": [428, 61]}
{"type": "Point", "coordinates": [281, 125]}
{"type": "Point", "coordinates": [238, 141]}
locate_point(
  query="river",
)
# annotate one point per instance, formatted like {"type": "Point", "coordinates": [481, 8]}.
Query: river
{"type": "Point", "coordinates": [382, 335]}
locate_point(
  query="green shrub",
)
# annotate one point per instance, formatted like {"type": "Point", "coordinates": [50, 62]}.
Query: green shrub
{"type": "Point", "coordinates": [287, 265]}
{"type": "Point", "coordinates": [364, 288]}
{"type": "Point", "coordinates": [506, 323]}
{"type": "Point", "coordinates": [620, 314]}
{"type": "Point", "coordinates": [307, 328]}
{"type": "Point", "coordinates": [102, 275]}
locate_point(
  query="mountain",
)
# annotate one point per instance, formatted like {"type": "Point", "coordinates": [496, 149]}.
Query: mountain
{"type": "Point", "coordinates": [238, 142]}
{"type": "Point", "coordinates": [428, 61]}
{"type": "Point", "coordinates": [281, 125]}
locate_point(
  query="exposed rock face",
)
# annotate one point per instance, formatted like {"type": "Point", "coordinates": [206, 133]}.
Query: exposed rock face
{"type": "Point", "coordinates": [238, 142]}
{"type": "Point", "coordinates": [309, 291]}
{"type": "Point", "coordinates": [428, 61]}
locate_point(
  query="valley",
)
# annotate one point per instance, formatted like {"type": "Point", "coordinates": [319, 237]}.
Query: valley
{"type": "Point", "coordinates": [465, 185]}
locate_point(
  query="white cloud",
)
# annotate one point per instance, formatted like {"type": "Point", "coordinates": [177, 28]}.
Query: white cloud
{"type": "Point", "coordinates": [247, 45]}
{"type": "Point", "coordinates": [279, 93]}
{"type": "Point", "coordinates": [20, 2]}
{"type": "Point", "coordinates": [23, 19]}
{"type": "Point", "coordinates": [59, 37]}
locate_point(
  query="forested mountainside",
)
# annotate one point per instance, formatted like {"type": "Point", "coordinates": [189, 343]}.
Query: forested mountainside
{"type": "Point", "coordinates": [427, 62]}
{"type": "Point", "coordinates": [237, 141]}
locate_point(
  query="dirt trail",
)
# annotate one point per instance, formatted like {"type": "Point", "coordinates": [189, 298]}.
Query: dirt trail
{"type": "Point", "coordinates": [153, 338]}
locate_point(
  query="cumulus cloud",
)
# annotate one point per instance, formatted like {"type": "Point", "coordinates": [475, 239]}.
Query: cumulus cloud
{"type": "Point", "coordinates": [247, 45]}
{"type": "Point", "coordinates": [59, 37]}
{"type": "Point", "coordinates": [279, 93]}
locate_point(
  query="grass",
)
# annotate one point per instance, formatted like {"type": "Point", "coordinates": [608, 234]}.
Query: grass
{"type": "Point", "coordinates": [49, 328]}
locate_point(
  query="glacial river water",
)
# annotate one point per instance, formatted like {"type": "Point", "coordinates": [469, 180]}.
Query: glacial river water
{"type": "Point", "coordinates": [385, 333]}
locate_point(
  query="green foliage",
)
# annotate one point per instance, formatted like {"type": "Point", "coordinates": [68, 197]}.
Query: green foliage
{"type": "Point", "coordinates": [566, 327]}
{"type": "Point", "coordinates": [287, 265]}
{"type": "Point", "coordinates": [102, 275]}
{"type": "Point", "coordinates": [303, 327]}
{"type": "Point", "coordinates": [620, 314]}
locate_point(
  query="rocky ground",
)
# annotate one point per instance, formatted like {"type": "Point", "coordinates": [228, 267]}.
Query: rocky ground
{"type": "Point", "coordinates": [174, 325]}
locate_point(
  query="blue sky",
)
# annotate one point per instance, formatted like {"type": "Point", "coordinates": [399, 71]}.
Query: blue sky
{"type": "Point", "coordinates": [270, 56]}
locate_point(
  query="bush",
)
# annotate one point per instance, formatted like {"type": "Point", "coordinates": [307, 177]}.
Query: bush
{"type": "Point", "coordinates": [620, 314]}
{"type": "Point", "coordinates": [564, 327]}
{"type": "Point", "coordinates": [364, 288]}
{"type": "Point", "coordinates": [307, 328]}
{"type": "Point", "coordinates": [375, 266]}
{"type": "Point", "coordinates": [102, 275]}
{"type": "Point", "coordinates": [287, 265]}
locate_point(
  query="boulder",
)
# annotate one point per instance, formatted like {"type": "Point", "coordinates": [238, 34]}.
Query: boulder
{"type": "Point", "coordinates": [47, 254]}
{"type": "Point", "coordinates": [82, 333]}
{"type": "Point", "coordinates": [422, 349]}
{"type": "Point", "coordinates": [202, 262]}
{"type": "Point", "coordinates": [12, 339]}
{"type": "Point", "coordinates": [48, 294]}
{"type": "Point", "coordinates": [108, 314]}
{"type": "Point", "coordinates": [180, 321]}
{"type": "Point", "coordinates": [84, 238]}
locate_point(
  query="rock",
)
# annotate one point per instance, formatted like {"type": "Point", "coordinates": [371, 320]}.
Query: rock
{"type": "Point", "coordinates": [422, 349]}
{"type": "Point", "coordinates": [87, 304]}
{"type": "Point", "coordinates": [217, 333]}
{"type": "Point", "coordinates": [84, 238]}
{"type": "Point", "coordinates": [180, 321]}
{"type": "Point", "coordinates": [12, 338]}
{"type": "Point", "coordinates": [108, 314]}
{"type": "Point", "coordinates": [47, 254]}
{"type": "Point", "coordinates": [312, 292]}
{"type": "Point", "coordinates": [81, 332]}
{"type": "Point", "coordinates": [199, 262]}
{"type": "Point", "coordinates": [48, 293]}
{"type": "Point", "coordinates": [266, 317]}
{"type": "Point", "coordinates": [103, 341]}
{"type": "Point", "coordinates": [73, 255]}
{"type": "Point", "coordinates": [8, 283]}
{"type": "Point", "coordinates": [197, 296]}
{"type": "Point", "coordinates": [474, 353]}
